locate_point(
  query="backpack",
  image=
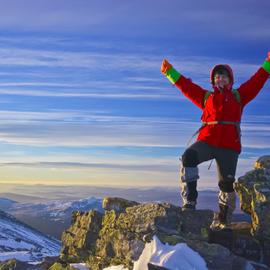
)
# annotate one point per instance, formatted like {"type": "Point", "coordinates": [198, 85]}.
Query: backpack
{"type": "Point", "coordinates": [234, 91]}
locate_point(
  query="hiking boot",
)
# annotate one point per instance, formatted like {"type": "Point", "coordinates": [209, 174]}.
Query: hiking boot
{"type": "Point", "coordinates": [216, 224]}
{"type": "Point", "coordinates": [189, 206]}
{"type": "Point", "coordinates": [221, 220]}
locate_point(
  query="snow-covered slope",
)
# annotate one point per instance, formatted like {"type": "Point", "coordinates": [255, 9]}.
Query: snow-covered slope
{"type": "Point", "coordinates": [18, 240]}
{"type": "Point", "coordinates": [56, 210]}
{"type": "Point", "coordinates": [51, 217]}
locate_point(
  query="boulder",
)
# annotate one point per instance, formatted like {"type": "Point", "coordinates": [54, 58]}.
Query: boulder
{"type": "Point", "coordinates": [78, 242]}
{"type": "Point", "coordinates": [117, 204]}
{"type": "Point", "coordinates": [14, 264]}
{"type": "Point", "coordinates": [119, 237]}
{"type": "Point", "coordinates": [262, 163]}
{"type": "Point", "coordinates": [254, 193]}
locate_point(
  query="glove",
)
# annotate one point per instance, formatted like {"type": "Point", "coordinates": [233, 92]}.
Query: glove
{"type": "Point", "coordinates": [165, 66]}
{"type": "Point", "coordinates": [268, 57]}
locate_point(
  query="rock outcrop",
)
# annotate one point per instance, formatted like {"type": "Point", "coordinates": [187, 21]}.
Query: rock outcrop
{"type": "Point", "coordinates": [118, 236]}
{"type": "Point", "coordinates": [13, 264]}
{"type": "Point", "coordinates": [254, 192]}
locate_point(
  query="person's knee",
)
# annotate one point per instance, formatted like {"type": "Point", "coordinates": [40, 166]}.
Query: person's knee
{"type": "Point", "coordinates": [226, 184]}
{"type": "Point", "coordinates": [190, 158]}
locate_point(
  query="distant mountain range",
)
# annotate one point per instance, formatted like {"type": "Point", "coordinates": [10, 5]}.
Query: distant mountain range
{"type": "Point", "coordinates": [20, 241]}
{"type": "Point", "coordinates": [52, 217]}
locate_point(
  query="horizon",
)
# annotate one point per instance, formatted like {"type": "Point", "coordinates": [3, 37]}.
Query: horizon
{"type": "Point", "coordinates": [7, 186]}
{"type": "Point", "coordinates": [83, 101]}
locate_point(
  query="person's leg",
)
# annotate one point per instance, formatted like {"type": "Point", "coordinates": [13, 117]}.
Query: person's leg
{"type": "Point", "coordinates": [226, 164]}
{"type": "Point", "coordinates": [189, 173]}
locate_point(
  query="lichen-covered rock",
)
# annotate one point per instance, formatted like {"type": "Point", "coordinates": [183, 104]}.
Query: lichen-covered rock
{"type": "Point", "coordinates": [120, 236]}
{"type": "Point", "coordinates": [14, 264]}
{"type": "Point", "coordinates": [79, 240]}
{"type": "Point", "coordinates": [238, 240]}
{"type": "Point", "coordinates": [123, 235]}
{"type": "Point", "coordinates": [117, 204]}
{"type": "Point", "coordinates": [48, 262]}
{"type": "Point", "coordinates": [59, 266]}
{"type": "Point", "coordinates": [8, 264]}
{"type": "Point", "coordinates": [254, 193]}
{"type": "Point", "coordinates": [262, 162]}
{"type": "Point", "coordinates": [218, 257]}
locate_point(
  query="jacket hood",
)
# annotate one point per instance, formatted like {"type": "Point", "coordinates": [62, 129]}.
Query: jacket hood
{"type": "Point", "coordinates": [221, 66]}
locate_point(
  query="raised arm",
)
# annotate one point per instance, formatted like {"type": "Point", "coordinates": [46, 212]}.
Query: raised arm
{"type": "Point", "coordinates": [191, 90]}
{"type": "Point", "coordinates": [252, 87]}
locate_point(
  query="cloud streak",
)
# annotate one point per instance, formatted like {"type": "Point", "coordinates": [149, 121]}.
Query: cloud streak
{"type": "Point", "coordinates": [87, 83]}
{"type": "Point", "coordinates": [81, 128]}
{"type": "Point", "coordinates": [81, 166]}
{"type": "Point", "coordinates": [116, 19]}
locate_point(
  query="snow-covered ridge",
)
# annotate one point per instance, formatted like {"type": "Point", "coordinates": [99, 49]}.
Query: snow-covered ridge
{"type": "Point", "coordinates": [20, 241]}
{"type": "Point", "coordinates": [58, 209]}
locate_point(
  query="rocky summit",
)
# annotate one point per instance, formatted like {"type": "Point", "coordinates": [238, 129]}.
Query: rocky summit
{"type": "Point", "coordinates": [119, 234]}
{"type": "Point", "coordinates": [119, 237]}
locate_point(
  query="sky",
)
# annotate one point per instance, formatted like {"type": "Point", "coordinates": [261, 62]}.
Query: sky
{"type": "Point", "coordinates": [82, 99]}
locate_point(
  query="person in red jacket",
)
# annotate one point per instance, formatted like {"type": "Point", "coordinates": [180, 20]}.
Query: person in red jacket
{"type": "Point", "coordinates": [219, 137]}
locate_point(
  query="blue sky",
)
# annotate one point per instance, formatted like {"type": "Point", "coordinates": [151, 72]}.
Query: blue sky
{"type": "Point", "coordinates": [82, 99]}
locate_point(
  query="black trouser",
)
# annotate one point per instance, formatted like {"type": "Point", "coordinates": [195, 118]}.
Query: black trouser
{"type": "Point", "coordinates": [199, 152]}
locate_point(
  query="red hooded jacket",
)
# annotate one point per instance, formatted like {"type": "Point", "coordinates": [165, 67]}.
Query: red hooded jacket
{"type": "Point", "coordinates": [222, 106]}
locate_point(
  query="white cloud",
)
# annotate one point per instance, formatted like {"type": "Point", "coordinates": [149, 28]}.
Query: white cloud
{"type": "Point", "coordinates": [79, 128]}
{"type": "Point", "coordinates": [60, 83]}
{"type": "Point", "coordinates": [94, 94]}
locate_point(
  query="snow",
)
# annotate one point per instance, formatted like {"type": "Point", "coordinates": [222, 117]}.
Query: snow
{"type": "Point", "coordinates": [10, 243]}
{"type": "Point", "coordinates": [58, 208]}
{"type": "Point", "coordinates": [22, 232]}
{"type": "Point", "coordinates": [79, 266]}
{"type": "Point", "coordinates": [118, 267]}
{"type": "Point", "coordinates": [178, 257]}
{"type": "Point", "coordinates": [23, 256]}
{"type": "Point", "coordinates": [23, 243]}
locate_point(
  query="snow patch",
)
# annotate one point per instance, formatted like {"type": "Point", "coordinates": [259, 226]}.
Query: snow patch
{"type": "Point", "coordinates": [79, 266]}
{"type": "Point", "coordinates": [23, 256]}
{"type": "Point", "coordinates": [118, 267]}
{"type": "Point", "coordinates": [178, 257]}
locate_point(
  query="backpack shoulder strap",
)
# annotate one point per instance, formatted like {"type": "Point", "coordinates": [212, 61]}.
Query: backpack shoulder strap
{"type": "Point", "coordinates": [237, 95]}
{"type": "Point", "coordinates": [207, 94]}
